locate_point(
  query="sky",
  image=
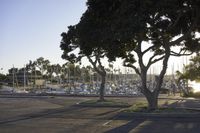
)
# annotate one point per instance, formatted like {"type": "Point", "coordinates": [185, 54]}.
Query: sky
{"type": "Point", "coordinates": [30, 29]}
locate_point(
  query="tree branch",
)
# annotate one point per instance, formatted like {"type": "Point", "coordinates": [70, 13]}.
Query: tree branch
{"type": "Point", "coordinates": [151, 61]}
{"type": "Point", "coordinates": [159, 80]}
{"type": "Point", "coordinates": [180, 14]}
{"type": "Point", "coordinates": [132, 66]}
{"type": "Point", "coordinates": [185, 36]}
{"type": "Point", "coordinates": [101, 66]}
{"type": "Point", "coordinates": [172, 53]}
{"type": "Point", "coordinates": [100, 71]}
{"type": "Point", "coordinates": [148, 49]}
{"type": "Point", "coordinates": [140, 55]}
{"type": "Point", "coordinates": [94, 63]}
{"type": "Point", "coordinates": [156, 60]}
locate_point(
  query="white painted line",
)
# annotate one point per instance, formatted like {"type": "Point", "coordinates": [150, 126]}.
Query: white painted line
{"type": "Point", "coordinates": [106, 123]}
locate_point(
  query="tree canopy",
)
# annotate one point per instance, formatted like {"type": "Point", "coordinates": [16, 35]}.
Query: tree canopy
{"type": "Point", "coordinates": [192, 70]}
{"type": "Point", "coordinates": [119, 28]}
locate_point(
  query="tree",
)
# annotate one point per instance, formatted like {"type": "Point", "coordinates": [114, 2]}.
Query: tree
{"type": "Point", "coordinates": [77, 39]}
{"type": "Point", "coordinates": [42, 64]}
{"type": "Point", "coordinates": [131, 29]}
{"type": "Point", "coordinates": [64, 71]}
{"type": "Point", "coordinates": [86, 73]}
{"type": "Point", "coordinates": [54, 68]}
{"type": "Point", "coordinates": [3, 78]}
{"type": "Point", "coordinates": [30, 67]}
{"type": "Point", "coordinates": [12, 70]}
{"type": "Point", "coordinates": [192, 70]}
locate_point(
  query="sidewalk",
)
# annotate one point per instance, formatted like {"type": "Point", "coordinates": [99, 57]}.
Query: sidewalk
{"type": "Point", "coordinates": [187, 103]}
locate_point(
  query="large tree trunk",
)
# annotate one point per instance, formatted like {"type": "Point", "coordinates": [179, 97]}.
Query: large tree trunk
{"type": "Point", "coordinates": [102, 87]}
{"type": "Point", "coordinates": [151, 96]}
{"type": "Point", "coordinates": [152, 99]}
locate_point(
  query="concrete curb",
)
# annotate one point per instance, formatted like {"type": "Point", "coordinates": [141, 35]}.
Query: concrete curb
{"type": "Point", "coordinates": [159, 115]}
{"type": "Point", "coordinates": [186, 108]}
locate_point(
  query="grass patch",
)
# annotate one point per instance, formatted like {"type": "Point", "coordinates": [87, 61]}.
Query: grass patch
{"type": "Point", "coordinates": [137, 107]}
{"type": "Point", "coordinates": [192, 94]}
{"type": "Point", "coordinates": [105, 103]}
{"type": "Point", "coordinates": [141, 107]}
{"type": "Point", "coordinates": [173, 110]}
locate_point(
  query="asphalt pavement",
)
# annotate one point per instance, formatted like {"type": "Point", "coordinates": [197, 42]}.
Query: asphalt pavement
{"type": "Point", "coordinates": [61, 115]}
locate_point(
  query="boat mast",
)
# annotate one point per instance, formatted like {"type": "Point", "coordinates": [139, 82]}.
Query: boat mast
{"type": "Point", "coordinates": [13, 77]}
{"type": "Point", "coordinates": [24, 77]}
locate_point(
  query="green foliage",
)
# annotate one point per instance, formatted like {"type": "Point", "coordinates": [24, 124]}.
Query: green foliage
{"type": "Point", "coordinates": [119, 25]}
{"type": "Point", "coordinates": [3, 77]}
{"type": "Point", "coordinates": [141, 107]}
{"type": "Point", "coordinates": [118, 28]}
{"type": "Point", "coordinates": [192, 94]}
{"type": "Point", "coordinates": [12, 70]}
{"type": "Point", "coordinates": [138, 107]}
{"type": "Point", "coordinates": [192, 70]}
{"type": "Point", "coordinates": [42, 68]}
{"type": "Point", "coordinates": [105, 103]}
{"type": "Point", "coordinates": [42, 64]}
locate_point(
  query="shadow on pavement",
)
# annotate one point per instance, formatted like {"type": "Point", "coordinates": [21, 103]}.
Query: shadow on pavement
{"type": "Point", "coordinates": [127, 127]}
{"type": "Point", "coordinates": [44, 113]}
{"type": "Point", "coordinates": [162, 124]}
{"type": "Point", "coordinates": [159, 125]}
{"type": "Point", "coordinates": [187, 104]}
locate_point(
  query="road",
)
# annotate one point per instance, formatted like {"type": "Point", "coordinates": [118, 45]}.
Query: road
{"type": "Point", "coordinates": [61, 115]}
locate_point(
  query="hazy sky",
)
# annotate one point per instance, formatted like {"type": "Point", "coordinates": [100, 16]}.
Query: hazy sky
{"type": "Point", "coordinates": [30, 29]}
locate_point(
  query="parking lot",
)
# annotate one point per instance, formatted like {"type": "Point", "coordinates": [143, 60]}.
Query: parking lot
{"type": "Point", "coordinates": [61, 115]}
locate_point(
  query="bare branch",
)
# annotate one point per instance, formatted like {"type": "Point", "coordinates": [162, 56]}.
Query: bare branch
{"type": "Point", "coordinates": [132, 66]}
{"type": "Point", "coordinates": [158, 59]}
{"type": "Point", "coordinates": [177, 54]}
{"type": "Point", "coordinates": [148, 49]}
{"type": "Point", "coordinates": [94, 63]}
{"type": "Point", "coordinates": [182, 52]}
{"type": "Point", "coordinates": [152, 60]}
{"type": "Point", "coordinates": [180, 39]}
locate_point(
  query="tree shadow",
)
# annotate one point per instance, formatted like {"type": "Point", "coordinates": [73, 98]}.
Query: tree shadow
{"type": "Point", "coordinates": [43, 113]}
{"type": "Point", "coordinates": [126, 127]}
{"type": "Point", "coordinates": [159, 125]}
{"type": "Point", "coordinates": [162, 124]}
{"type": "Point", "coordinates": [189, 103]}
